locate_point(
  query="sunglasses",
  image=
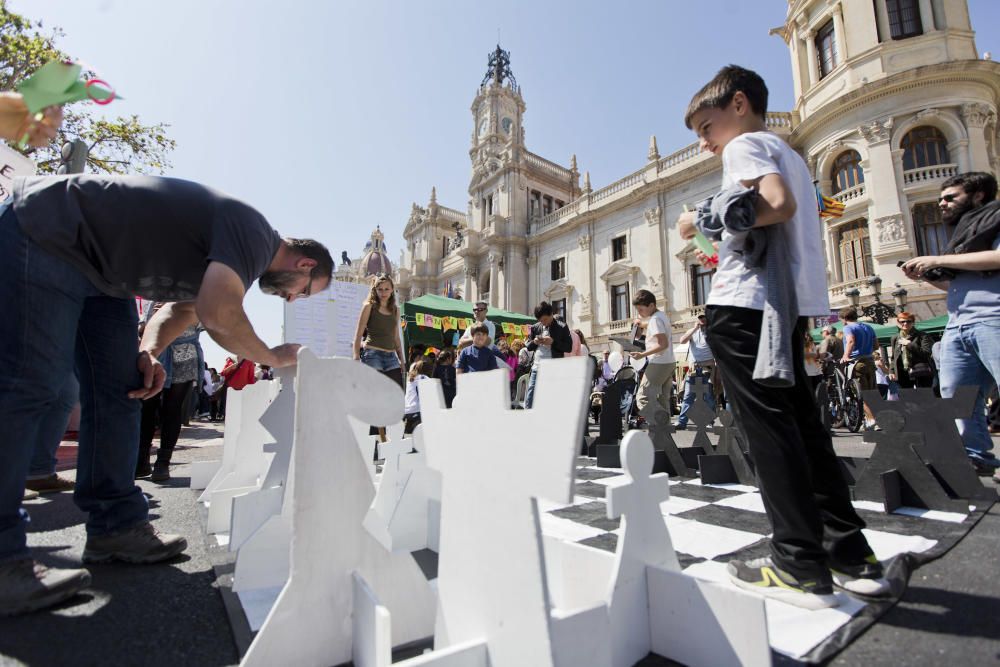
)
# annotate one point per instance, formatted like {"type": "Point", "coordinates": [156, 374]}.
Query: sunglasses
{"type": "Point", "coordinates": [905, 321]}
{"type": "Point", "coordinates": [947, 198]}
{"type": "Point", "coordinates": [478, 310]}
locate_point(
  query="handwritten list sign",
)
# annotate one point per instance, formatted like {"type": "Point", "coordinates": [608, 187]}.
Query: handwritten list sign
{"type": "Point", "coordinates": [326, 321]}
{"type": "Point", "coordinates": [12, 165]}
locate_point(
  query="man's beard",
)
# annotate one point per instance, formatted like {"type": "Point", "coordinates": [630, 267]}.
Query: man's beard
{"type": "Point", "coordinates": [275, 282]}
{"type": "Point", "coordinates": [952, 216]}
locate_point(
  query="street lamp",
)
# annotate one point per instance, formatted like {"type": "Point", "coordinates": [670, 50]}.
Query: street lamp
{"type": "Point", "coordinates": [899, 298]}
{"type": "Point", "coordinates": [853, 296]}
{"type": "Point", "coordinates": [878, 311]}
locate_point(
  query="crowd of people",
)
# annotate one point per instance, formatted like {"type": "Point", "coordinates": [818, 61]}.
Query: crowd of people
{"type": "Point", "coordinates": [76, 250]}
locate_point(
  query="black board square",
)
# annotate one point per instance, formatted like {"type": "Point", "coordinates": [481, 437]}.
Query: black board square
{"type": "Point", "coordinates": [729, 517]}
{"type": "Point", "coordinates": [591, 473]}
{"type": "Point", "coordinates": [590, 490]}
{"type": "Point", "coordinates": [708, 494]}
{"type": "Point", "coordinates": [591, 514]}
{"type": "Point", "coordinates": [605, 542]}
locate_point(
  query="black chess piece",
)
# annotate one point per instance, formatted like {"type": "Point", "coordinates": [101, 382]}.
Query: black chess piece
{"type": "Point", "coordinates": [942, 450]}
{"type": "Point", "coordinates": [897, 473]}
{"type": "Point", "coordinates": [701, 415]}
{"type": "Point", "coordinates": [731, 463]}
{"type": "Point", "coordinates": [667, 456]}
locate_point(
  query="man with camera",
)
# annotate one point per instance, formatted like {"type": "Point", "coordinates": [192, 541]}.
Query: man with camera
{"type": "Point", "coordinates": [968, 272]}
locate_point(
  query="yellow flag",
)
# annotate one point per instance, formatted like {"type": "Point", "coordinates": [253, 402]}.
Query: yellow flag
{"type": "Point", "coordinates": [436, 322]}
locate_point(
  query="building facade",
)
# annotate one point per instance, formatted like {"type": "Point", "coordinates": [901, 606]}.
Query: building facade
{"type": "Point", "coordinates": [891, 99]}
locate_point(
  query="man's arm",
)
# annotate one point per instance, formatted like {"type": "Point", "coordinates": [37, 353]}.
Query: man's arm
{"type": "Point", "coordinates": [167, 324]}
{"type": "Point", "coordinates": [776, 202]}
{"type": "Point", "coordinates": [220, 309]}
{"type": "Point", "coordinates": [466, 340]}
{"type": "Point", "coordinates": [984, 260]}
{"type": "Point", "coordinates": [687, 336]}
{"type": "Point", "coordinates": [848, 346]}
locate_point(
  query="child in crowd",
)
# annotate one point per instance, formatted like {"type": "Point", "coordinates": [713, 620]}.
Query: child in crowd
{"type": "Point", "coordinates": [817, 540]}
{"type": "Point", "coordinates": [445, 371]}
{"type": "Point", "coordinates": [479, 356]}
{"type": "Point", "coordinates": [421, 369]}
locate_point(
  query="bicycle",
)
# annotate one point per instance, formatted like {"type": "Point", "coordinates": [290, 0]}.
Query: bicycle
{"type": "Point", "coordinates": [842, 400]}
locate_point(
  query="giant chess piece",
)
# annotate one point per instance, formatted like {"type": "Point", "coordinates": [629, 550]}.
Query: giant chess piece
{"type": "Point", "coordinates": [731, 463]}
{"type": "Point", "coordinates": [668, 455]}
{"type": "Point", "coordinates": [897, 473]}
{"type": "Point", "coordinates": [943, 449]}
{"type": "Point", "coordinates": [701, 415]}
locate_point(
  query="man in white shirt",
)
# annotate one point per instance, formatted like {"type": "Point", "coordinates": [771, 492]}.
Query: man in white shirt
{"type": "Point", "coordinates": [479, 312]}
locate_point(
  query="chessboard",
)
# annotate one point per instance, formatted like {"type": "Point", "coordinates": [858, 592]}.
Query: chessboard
{"type": "Point", "coordinates": [711, 524]}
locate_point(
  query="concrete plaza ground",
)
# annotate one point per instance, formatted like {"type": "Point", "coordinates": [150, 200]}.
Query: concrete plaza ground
{"type": "Point", "coordinates": [172, 614]}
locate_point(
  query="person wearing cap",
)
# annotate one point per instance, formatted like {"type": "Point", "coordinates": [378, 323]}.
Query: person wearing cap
{"type": "Point", "coordinates": [703, 366]}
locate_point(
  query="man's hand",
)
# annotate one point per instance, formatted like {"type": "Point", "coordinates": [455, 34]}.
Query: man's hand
{"type": "Point", "coordinates": [685, 225]}
{"type": "Point", "coordinates": [636, 355]}
{"type": "Point", "coordinates": [544, 340]}
{"type": "Point", "coordinates": [153, 376]}
{"type": "Point", "coordinates": [916, 268]}
{"type": "Point", "coordinates": [707, 260]}
{"type": "Point", "coordinates": [844, 359]}
{"type": "Point", "coordinates": [285, 355]}
{"type": "Point", "coordinates": [15, 121]}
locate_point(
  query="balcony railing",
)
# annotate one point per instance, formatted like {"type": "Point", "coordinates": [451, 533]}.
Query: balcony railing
{"type": "Point", "coordinates": [619, 325]}
{"type": "Point", "coordinates": [856, 192]}
{"type": "Point", "coordinates": [933, 173]}
{"type": "Point", "coordinates": [546, 165]}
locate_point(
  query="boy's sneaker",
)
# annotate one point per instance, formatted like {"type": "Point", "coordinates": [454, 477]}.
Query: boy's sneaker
{"type": "Point", "coordinates": [141, 543]}
{"type": "Point", "coordinates": [763, 577]}
{"type": "Point", "coordinates": [26, 586]}
{"type": "Point", "coordinates": [864, 578]}
{"type": "Point", "coordinates": [29, 494]}
{"type": "Point", "coordinates": [51, 484]}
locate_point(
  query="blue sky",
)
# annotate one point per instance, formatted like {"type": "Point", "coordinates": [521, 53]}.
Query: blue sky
{"type": "Point", "coordinates": [332, 117]}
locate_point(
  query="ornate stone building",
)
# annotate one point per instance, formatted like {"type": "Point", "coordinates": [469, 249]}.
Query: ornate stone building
{"type": "Point", "coordinates": [891, 99]}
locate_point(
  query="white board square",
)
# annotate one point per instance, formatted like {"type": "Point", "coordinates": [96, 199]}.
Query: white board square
{"type": "Point", "coordinates": [676, 505]}
{"type": "Point", "coordinates": [752, 502]}
{"type": "Point", "coordinates": [886, 545]}
{"type": "Point", "coordinates": [554, 526]}
{"type": "Point", "coordinates": [936, 515]}
{"type": "Point", "coordinates": [705, 540]}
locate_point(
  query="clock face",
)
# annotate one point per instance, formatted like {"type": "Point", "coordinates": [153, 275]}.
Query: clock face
{"type": "Point", "coordinates": [484, 124]}
{"type": "Point", "coordinates": [507, 124]}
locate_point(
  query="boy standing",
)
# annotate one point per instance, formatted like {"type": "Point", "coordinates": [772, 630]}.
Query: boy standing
{"type": "Point", "coordinates": [480, 356]}
{"type": "Point", "coordinates": [803, 490]}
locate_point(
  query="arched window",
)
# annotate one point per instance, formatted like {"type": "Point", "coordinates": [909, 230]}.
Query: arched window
{"type": "Point", "coordinates": [924, 146]}
{"type": "Point", "coordinates": [932, 233]}
{"type": "Point", "coordinates": [846, 171]}
{"type": "Point", "coordinates": [855, 251]}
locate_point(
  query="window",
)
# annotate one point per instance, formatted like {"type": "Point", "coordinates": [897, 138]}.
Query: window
{"type": "Point", "coordinates": [489, 205]}
{"type": "Point", "coordinates": [846, 172]}
{"type": "Point", "coordinates": [559, 309]}
{"type": "Point", "coordinates": [826, 49]}
{"type": "Point", "coordinates": [904, 18]}
{"type": "Point", "coordinates": [932, 234]}
{"type": "Point", "coordinates": [546, 205]}
{"type": "Point", "coordinates": [924, 146]}
{"type": "Point", "coordinates": [534, 203]}
{"type": "Point", "coordinates": [855, 251]}
{"type": "Point", "coordinates": [558, 268]}
{"type": "Point", "coordinates": [701, 284]}
{"type": "Point", "coordinates": [619, 302]}
{"type": "Point", "coordinates": [619, 248]}
{"type": "Point", "coordinates": [559, 204]}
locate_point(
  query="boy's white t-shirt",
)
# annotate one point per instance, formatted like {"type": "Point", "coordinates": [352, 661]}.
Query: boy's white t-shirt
{"type": "Point", "coordinates": [411, 404]}
{"type": "Point", "coordinates": [659, 324]}
{"type": "Point", "coordinates": [748, 157]}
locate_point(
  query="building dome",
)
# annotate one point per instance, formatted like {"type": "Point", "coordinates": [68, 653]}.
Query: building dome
{"type": "Point", "coordinates": [376, 258]}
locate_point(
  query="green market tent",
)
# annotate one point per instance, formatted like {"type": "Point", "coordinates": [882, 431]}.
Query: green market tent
{"type": "Point", "coordinates": [885, 332]}
{"type": "Point", "coordinates": [442, 306]}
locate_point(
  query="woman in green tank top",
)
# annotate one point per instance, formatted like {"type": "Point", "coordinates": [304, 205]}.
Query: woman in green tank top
{"type": "Point", "coordinates": [381, 348]}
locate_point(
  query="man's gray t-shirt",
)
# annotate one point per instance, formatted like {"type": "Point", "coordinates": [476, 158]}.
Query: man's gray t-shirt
{"type": "Point", "coordinates": [974, 296]}
{"type": "Point", "coordinates": [144, 236]}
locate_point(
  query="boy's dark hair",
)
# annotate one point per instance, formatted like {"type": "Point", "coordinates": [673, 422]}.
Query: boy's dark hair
{"type": "Point", "coordinates": [718, 93]}
{"type": "Point", "coordinates": [314, 250]}
{"type": "Point", "coordinates": [479, 328]}
{"type": "Point", "coordinates": [544, 308]}
{"type": "Point", "coordinates": [849, 313]}
{"type": "Point", "coordinates": [973, 182]}
{"type": "Point", "coordinates": [644, 298]}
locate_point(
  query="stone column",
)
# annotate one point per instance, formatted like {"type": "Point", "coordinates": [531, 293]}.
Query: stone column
{"type": "Point", "coordinates": [654, 252]}
{"type": "Point", "coordinates": [582, 280]}
{"type": "Point", "coordinates": [976, 117]}
{"type": "Point", "coordinates": [838, 33]}
{"type": "Point", "coordinates": [812, 56]}
{"type": "Point", "coordinates": [882, 18]}
{"type": "Point", "coordinates": [517, 270]}
{"type": "Point", "coordinates": [889, 219]}
{"type": "Point", "coordinates": [470, 269]}
{"type": "Point", "coordinates": [494, 258]}
{"type": "Point", "coordinates": [532, 278]}
{"type": "Point", "coordinates": [926, 16]}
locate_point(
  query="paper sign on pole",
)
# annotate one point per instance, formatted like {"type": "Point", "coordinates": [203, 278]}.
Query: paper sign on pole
{"type": "Point", "coordinates": [12, 165]}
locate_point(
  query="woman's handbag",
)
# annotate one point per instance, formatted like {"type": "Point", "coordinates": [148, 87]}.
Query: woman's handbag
{"type": "Point", "coordinates": [921, 371]}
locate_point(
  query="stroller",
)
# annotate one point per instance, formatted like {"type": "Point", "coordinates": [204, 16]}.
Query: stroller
{"type": "Point", "coordinates": [627, 377]}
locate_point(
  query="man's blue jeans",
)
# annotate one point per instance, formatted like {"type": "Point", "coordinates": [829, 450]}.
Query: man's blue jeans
{"type": "Point", "coordinates": [52, 429]}
{"type": "Point", "coordinates": [52, 316]}
{"type": "Point", "coordinates": [970, 356]}
{"type": "Point", "coordinates": [529, 394]}
{"type": "Point", "coordinates": [688, 400]}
